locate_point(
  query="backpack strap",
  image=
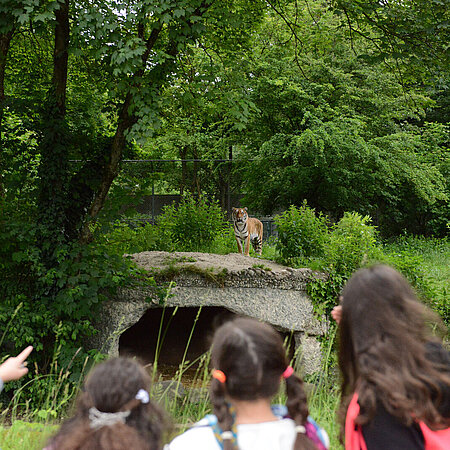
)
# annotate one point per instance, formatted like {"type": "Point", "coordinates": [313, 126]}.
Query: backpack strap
{"type": "Point", "coordinates": [314, 432]}
{"type": "Point", "coordinates": [354, 439]}
{"type": "Point", "coordinates": [435, 440]}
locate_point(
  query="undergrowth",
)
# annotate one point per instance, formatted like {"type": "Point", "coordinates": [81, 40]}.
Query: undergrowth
{"type": "Point", "coordinates": [32, 431]}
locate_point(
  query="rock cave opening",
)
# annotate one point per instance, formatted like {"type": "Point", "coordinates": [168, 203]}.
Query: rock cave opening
{"type": "Point", "coordinates": [176, 325]}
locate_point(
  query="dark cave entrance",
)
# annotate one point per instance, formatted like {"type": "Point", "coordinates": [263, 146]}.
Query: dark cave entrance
{"type": "Point", "coordinates": [176, 325]}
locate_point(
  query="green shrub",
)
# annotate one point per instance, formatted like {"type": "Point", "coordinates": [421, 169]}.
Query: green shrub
{"type": "Point", "coordinates": [410, 265]}
{"type": "Point", "coordinates": [54, 305]}
{"type": "Point", "coordinates": [224, 242]}
{"type": "Point", "coordinates": [325, 293]}
{"type": "Point", "coordinates": [301, 233]}
{"type": "Point", "coordinates": [124, 238]}
{"type": "Point", "coordinates": [193, 225]}
{"type": "Point", "coordinates": [351, 244]}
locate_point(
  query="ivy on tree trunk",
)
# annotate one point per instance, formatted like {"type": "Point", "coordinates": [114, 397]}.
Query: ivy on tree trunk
{"type": "Point", "coordinates": [5, 40]}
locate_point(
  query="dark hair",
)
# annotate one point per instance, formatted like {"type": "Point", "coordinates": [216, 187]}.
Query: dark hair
{"type": "Point", "coordinates": [253, 357]}
{"type": "Point", "coordinates": [384, 350]}
{"type": "Point", "coordinates": [111, 387]}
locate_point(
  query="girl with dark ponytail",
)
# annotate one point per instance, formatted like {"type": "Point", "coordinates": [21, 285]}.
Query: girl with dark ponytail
{"type": "Point", "coordinates": [250, 362]}
{"type": "Point", "coordinates": [113, 412]}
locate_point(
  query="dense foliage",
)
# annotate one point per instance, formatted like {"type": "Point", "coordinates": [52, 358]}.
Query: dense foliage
{"type": "Point", "coordinates": [81, 85]}
{"type": "Point", "coordinates": [191, 226]}
{"type": "Point", "coordinates": [319, 112]}
{"type": "Point", "coordinates": [338, 249]}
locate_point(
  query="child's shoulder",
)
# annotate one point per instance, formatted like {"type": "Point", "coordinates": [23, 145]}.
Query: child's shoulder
{"type": "Point", "coordinates": [313, 430]}
{"type": "Point", "coordinates": [198, 437]}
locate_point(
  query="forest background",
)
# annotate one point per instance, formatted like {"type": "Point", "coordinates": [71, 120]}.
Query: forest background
{"type": "Point", "coordinates": [342, 104]}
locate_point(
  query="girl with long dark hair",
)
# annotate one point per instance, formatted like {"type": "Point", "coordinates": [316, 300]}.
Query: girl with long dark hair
{"type": "Point", "coordinates": [395, 374]}
{"type": "Point", "coordinates": [113, 412]}
{"type": "Point", "coordinates": [250, 361]}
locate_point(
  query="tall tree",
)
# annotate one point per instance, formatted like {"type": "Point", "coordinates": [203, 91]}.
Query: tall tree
{"type": "Point", "coordinates": [133, 49]}
{"type": "Point", "coordinates": [336, 129]}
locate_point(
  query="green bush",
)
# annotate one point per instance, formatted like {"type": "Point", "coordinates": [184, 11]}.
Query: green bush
{"type": "Point", "coordinates": [410, 265]}
{"type": "Point", "coordinates": [224, 242]}
{"type": "Point", "coordinates": [325, 293]}
{"type": "Point", "coordinates": [351, 244]}
{"type": "Point", "coordinates": [191, 226]}
{"type": "Point", "coordinates": [301, 233]}
{"type": "Point", "coordinates": [48, 306]}
{"type": "Point", "coordinates": [123, 238]}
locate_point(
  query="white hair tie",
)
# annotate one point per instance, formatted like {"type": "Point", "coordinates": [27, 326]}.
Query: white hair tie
{"type": "Point", "coordinates": [300, 429]}
{"type": "Point", "coordinates": [143, 396]}
{"type": "Point", "coordinates": [103, 419]}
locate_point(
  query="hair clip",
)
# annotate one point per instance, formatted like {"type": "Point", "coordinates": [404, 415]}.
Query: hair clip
{"type": "Point", "coordinates": [288, 372]}
{"type": "Point", "coordinates": [300, 429]}
{"type": "Point", "coordinates": [143, 396]}
{"type": "Point", "coordinates": [219, 375]}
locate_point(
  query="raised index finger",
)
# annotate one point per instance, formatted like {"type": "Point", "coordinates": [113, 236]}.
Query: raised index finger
{"type": "Point", "coordinates": [23, 355]}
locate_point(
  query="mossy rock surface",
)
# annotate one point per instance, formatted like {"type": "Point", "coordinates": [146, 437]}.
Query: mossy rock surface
{"type": "Point", "coordinates": [232, 270]}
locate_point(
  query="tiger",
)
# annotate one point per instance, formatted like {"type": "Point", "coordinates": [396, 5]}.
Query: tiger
{"type": "Point", "coordinates": [247, 229]}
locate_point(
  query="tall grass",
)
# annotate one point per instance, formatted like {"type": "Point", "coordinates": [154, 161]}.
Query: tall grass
{"type": "Point", "coordinates": [427, 265]}
{"type": "Point", "coordinates": [434, 256]}
{"type": "Point", "coordinates": [35, 427]}
{"type": "Point", "coordinates": [26, 427]}
{"type": "Point", "coordinates": [22, 435]}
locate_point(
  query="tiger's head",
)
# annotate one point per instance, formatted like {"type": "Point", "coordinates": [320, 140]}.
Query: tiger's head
{"type": "Point", "coordinates": [239, 215]}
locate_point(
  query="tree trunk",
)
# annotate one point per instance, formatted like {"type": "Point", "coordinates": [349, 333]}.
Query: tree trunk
{"type": "Point", "coordinates": [61, 55]}
{"type": "Point", "coordinates": [53, 168]}
{"type": "Point", "coordinates": [5, 40]}
{"type": "Point", "coordinates": [195, 179]}
{"type": "Point", "coordinates": [222, 181]}
{"type": "Point", "coordinates": [89, 187]}
{"type": "Point", "coordinates": [230, 168]}
{"type": "Point", "coordinates": [111, 169]}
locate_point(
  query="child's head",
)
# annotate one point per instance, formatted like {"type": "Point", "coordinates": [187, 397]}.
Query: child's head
{"type": "Point", "coordinates": [252, 357]}
{"type": "Point", "coordinates": [383, 331]}
{"type": "Point", "coordinates": [379, 302]}
{"type": "Point", "coordinates": [113, 411]}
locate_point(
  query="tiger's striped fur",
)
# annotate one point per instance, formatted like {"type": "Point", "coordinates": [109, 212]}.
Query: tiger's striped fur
{"type": "Point", "coordinates": [246, 230]}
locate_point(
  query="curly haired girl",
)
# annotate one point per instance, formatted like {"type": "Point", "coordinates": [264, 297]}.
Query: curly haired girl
{"type": "Point", "coordinates": [113, 412]}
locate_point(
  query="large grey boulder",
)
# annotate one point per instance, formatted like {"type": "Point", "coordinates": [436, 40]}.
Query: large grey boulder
{"type": "Point", "coordinates": [246, 286]}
